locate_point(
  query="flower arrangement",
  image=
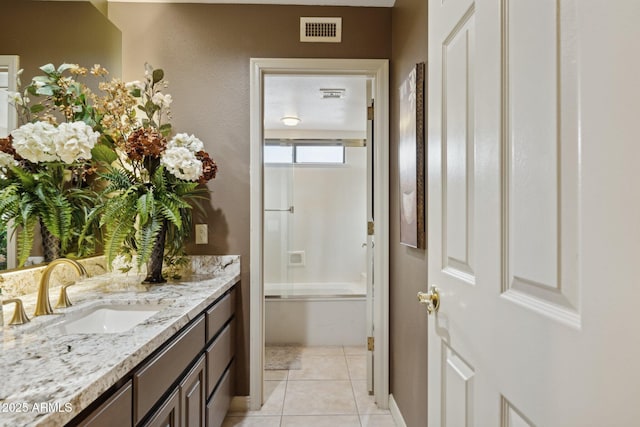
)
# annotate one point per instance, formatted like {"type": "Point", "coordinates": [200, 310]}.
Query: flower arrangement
{"type": "Point", "coordinates": [44, 169]}
{"type": "Point", "coordinates": [153, 180]}
{"type": "Point", "coordinates": [121, 138]}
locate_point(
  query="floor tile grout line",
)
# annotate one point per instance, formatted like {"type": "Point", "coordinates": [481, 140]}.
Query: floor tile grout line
{"type": "Point", "coordinates": [348, 378]}
{"type": "Point", "coordinates": [353, 393]}
{"type": "Point", "coordinates": [284, 398]}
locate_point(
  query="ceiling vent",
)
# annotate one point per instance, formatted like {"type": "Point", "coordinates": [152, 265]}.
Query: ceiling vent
{"type": "Point", "coordinates": [324, 30]}
{"type": "Point", "coordinates": [332, 93]}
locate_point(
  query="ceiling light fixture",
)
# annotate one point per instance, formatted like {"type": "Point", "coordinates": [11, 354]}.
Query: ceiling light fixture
{"type": "Point", "coordinates": [290, 121]}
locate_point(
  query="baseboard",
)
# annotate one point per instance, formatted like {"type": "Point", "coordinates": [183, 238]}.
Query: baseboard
{"type": "Point", "coordinates": [240, 404]}
{"type": "Point", "coordinates": [395, 412]}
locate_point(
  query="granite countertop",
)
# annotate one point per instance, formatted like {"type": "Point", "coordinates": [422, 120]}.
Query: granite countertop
{"type": "Point", "coordinates": [47, 378]}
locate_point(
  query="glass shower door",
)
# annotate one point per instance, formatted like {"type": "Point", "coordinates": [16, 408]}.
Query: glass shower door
{"type": "Point", "coordinates": [278, 218]}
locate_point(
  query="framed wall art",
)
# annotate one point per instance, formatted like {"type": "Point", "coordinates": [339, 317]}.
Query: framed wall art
{"type": "Point", "coordinates": [411, 159]}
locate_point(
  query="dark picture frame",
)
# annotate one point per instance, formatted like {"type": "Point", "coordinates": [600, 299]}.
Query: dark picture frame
{"type": "Point", "coordinates": [411, 159]}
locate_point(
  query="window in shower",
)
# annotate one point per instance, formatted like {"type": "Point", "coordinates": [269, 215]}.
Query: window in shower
{"type": "Point", "coordinates": [320, 154]}
{"type": "Point", "coordinates": [304, 153]}
{"type": "Point", "coordinates": [278, 154]}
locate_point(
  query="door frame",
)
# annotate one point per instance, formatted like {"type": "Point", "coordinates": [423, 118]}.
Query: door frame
{"type": "Point", "coordinates": [378, 69]}
{"type": "Point", "coordinates": [12, 62]}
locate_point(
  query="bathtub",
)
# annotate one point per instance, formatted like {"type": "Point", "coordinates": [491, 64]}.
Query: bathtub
{"type": "Point", "coordinates": [315, 313]}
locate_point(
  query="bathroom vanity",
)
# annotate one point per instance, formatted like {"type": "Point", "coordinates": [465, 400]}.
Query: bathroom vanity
{"type": "Point", "coordinates": [173, 366]}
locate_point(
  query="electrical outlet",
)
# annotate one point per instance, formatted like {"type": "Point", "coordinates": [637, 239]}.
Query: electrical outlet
{"type": "Point", "coordinates": [202, 234]}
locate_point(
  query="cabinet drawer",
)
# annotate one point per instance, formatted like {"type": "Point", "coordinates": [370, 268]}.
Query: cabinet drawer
{"type": "Point", "coordinates": [219, 404]}
{"type": "Point", "coordinates": [169, 413]}
{"type": "Point", "coordinates": [192, 396]}
{"type": "Point", "coordinates": [116, 411]}
{"type": "Point", "coordinates": [155, 378]}
{"type": "Point", "coordinates": [218, 315]}
{"type": "Point", "coordinates": [219, 354]}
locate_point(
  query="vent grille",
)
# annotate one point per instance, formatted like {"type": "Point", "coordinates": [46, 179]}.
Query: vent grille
{"type": "Point", "coordinates": [326, 30]}
{"type": "Point", "coordinates": [320, 29]}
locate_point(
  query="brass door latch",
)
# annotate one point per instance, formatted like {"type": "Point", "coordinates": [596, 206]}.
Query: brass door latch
{"type": "Point", "coordinates": [431, 299]}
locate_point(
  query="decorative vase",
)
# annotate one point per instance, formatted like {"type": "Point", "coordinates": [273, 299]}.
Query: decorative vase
{"type": "Point", "coordinates": [154, 265]}
{"type": "Point", "coordinates": [51, 246]}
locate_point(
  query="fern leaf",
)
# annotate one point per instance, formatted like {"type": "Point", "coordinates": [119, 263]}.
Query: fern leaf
{"type": "Point", "coordinates": [146, 206]}
{"type": "Point", "coordinates": [25, 239]}
{"type": "Point", "coordinates": [90, 228]}
{"type": "Point", "coordinates": [118, 180]}
{"type": "Point", "coordinates": [57, 217]}
{"type": "Point", "coordinates": [119, 230]}
{"type": "Point", "coordinates": [170, 210]}
{"type": "Point", "coordinates": [146, 239]}
{"type": "Point", "coordinates": [159, 180]}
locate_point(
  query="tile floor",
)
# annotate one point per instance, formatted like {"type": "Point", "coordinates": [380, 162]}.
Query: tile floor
{"type": "Point", "coordinates": [328, 388]}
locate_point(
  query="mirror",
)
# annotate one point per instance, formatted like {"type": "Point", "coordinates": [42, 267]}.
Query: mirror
{"type": "Point", "coordinates": [35, 33]}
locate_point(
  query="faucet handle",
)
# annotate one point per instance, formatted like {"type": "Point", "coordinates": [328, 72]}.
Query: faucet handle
{"type": "Point", "coordinates": [63, 299]}
{"type": "Point", "coordinates": [19, 315]}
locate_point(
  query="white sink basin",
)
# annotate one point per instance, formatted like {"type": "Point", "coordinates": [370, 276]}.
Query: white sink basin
{"type": "Point", "coordinates": [106, 319]}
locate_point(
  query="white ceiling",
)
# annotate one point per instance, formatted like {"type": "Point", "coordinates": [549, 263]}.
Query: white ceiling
{"type": "Point", "coordinates": [374, 3]}
{"type": "Point", "coordinates": [300, 96]}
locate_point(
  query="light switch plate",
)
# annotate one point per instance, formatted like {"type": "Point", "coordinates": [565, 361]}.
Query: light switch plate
{"type": "Point", "coordinates": [202, 234]}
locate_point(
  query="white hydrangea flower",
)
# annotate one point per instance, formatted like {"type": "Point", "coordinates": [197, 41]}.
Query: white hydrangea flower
{"type": "Point", "coordinates": [6, 160]}
{"type": "Point", "coordinates": [182, 163]}
{"type": "Point", "coordinates": [162, 100]}
{"type": "Point", "coordinates": [34, 142]}
{"type": "Point", "coordinates": [189, 142]}
{"type": "Point", "coordinates": [74, 141]}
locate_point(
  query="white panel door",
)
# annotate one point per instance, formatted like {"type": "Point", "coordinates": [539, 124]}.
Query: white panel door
{"type": "Point", "coordinates": [534, 212]}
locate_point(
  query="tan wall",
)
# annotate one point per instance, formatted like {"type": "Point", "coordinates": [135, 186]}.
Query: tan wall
{"type": "Point", "coordinates": [57, 32]}
{"type": "Point", "coordinates": [408, 267]}
{"type": "Point", "coordinates": [205, 50]}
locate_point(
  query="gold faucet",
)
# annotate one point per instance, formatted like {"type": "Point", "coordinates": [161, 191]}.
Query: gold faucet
{"type": "Point", "coordinates": [43, 304]}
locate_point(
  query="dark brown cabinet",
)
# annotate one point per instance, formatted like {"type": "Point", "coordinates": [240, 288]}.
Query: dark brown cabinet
{"type": "Point", "coordinates": [218, 405]}
{"type": "Point", "coordinates": [185, 383]}
{"type": "Point", "coordinates": [193, 396]}
{"type": "Point", "coordinates": [168, 415]}
{"type": "Point", "coordinates": [219, 355]}
{"type": "Point", "coordinates": [156, 376]}
{"type": "Point", "coordinates": [115, 411]}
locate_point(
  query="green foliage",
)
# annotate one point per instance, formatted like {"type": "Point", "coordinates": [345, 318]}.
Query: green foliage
{"type": "Point", "coordinates": [135, 212]}
{"type": "Point", "coordinates": [124, 198]}
{"type": "Point", "coordinates": [165, 129]}
{"type": "Point", "coordinates": [158, 75]}
{"type": "Point", "coordinates": [103, 153]}
{"type": "Point", "coordinates": [61, 93]}
{"type": "Point", "coordinates": [45, 196]}
{"type": "Point", "coordinates": [3, 247]}
{"type": "Point", "coordinates": [147, 236]}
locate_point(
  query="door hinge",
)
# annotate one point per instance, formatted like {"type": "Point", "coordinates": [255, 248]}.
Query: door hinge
{"type": "Point", "coordinates": [370, 343]}
{"type": "Point", "coordinates": [370, 112]}
{"type": "Point", "coordinates": [370, 228]}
